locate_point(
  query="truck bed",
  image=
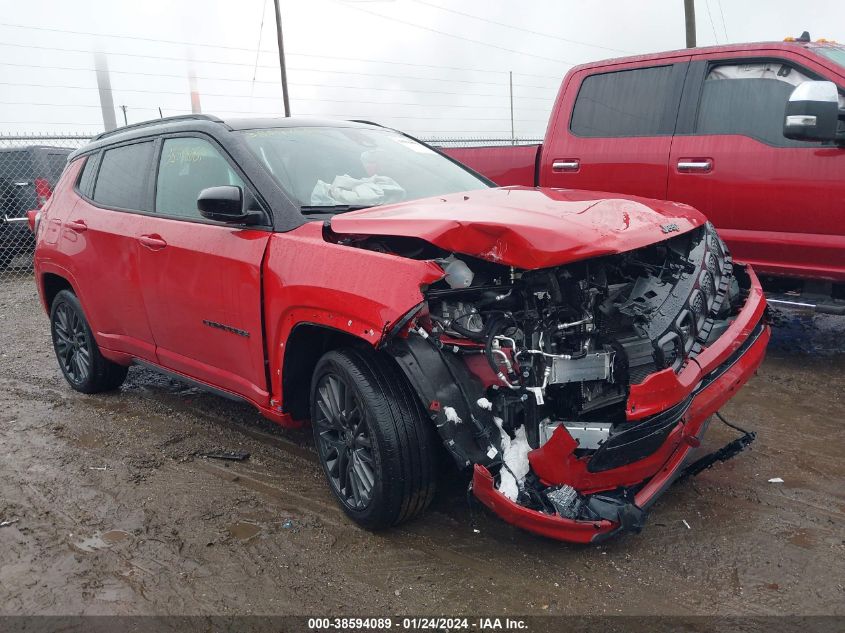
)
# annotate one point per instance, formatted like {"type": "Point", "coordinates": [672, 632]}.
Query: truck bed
{"type": "Point", "coordinates": [505, 165]}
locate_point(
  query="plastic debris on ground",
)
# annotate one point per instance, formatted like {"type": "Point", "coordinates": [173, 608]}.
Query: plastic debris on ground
{"type": "Point", "coordinates": [236, 456]}
{"type": "Point", "coordinates": [775, 480]}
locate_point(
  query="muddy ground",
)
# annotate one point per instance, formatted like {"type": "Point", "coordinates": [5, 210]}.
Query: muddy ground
{"type": "Point", "coordinates": [114, 512]}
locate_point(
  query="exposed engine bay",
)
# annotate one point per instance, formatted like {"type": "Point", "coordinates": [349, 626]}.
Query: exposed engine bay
{"type": "Point", "coordinates": [562, 347]}
{"type": "Point", "coordinates": [509, 360]}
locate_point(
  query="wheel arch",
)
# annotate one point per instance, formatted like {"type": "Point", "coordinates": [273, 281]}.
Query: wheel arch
{"type": "Point", "coordinates": [51, 285]}
{"type": "Point", "coordinates": [304, 347]}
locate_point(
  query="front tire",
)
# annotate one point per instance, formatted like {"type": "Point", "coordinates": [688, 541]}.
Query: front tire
{"type": "Point", "coordinates": [82, 364]}
{"type": "Point", "coordinates": [374, 441]}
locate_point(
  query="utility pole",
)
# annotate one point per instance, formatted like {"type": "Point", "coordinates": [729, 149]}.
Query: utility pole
{"type": "Point", "coordinates": [282, 57]}
{"type": "Point", "coordinates": [510, 87]}
{"type": "Point", "coordinates": [689, 15]}
{"type": "Point", "coordinates": [125, 121]}
{"type": "Point", "coordinates": [101, 65]}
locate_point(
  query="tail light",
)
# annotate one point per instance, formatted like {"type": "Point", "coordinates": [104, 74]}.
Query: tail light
{"type": "Point", "coordinates": [43, 191]}
{"type": "Point", "coordinates": [33, 218]}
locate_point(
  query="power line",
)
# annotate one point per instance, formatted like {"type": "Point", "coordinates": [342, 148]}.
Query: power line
{"type": "Point", "coordinates": [724, 24]}
{"type": "Point", "coordinates": [300, 98]}
{"type": "Point", "coordinates": [712, 24]}
{"type": "Point", "coordinates": [452, 35]}
{"type": "Point", "coordinates": [260, 50]}
{"type": "Point", "coordinates": [517, 28]}
{"type": "Point", "coordinates": [300, 84]}
{"type": "Point", "coordinates": [298, 69]}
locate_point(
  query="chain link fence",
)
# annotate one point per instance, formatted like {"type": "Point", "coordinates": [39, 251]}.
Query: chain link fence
{"type": "Point", "coordinates": [30, 166]}
{"type": "Point", "coordinates": [480, 142]}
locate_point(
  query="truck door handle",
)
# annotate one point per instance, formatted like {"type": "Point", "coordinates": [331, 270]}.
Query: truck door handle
{"type": "Point", "coordinates": [152, 242]}
{"type": "Point", "coordinates": [689, 164]}
{"type": "Point", "coordinates": [76, 225]}
{"type": "Point", "coordinates": [566, 164]}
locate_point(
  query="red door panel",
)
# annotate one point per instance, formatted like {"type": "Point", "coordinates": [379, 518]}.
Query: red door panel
{"type": "Point", "coordinates": [780, 209]}
{"type": "Point", "coordinates": [779, 204]}
{"type": "Point", "coordinates": [100, 246]}
{"type": "Point", "coordinates": [202, 293]}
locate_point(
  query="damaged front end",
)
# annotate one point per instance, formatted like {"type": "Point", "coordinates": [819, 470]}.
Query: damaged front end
{"type": "Point", "coordinates": [577, 393]}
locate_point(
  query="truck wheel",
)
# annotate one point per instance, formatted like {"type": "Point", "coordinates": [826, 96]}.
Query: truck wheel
{"type": "Point", "coordinates": [79, 358]}
{"type": "Point", "coordinates": [374, 440]}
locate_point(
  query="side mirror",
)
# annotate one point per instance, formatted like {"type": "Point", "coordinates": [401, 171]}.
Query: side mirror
{"type": "Point", "coordinates": [812, 112]}
{"type": "Point", "coordinates": [228, 204]}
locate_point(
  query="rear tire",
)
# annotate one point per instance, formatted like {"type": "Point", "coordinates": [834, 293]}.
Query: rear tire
{"type": "Point", "coordinates": [374, 441]}
{"type": "Point", "coordinates": [82, 364]}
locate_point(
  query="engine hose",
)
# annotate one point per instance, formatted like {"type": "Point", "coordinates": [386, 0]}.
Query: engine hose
{"type": "Point", "coordinates": [492, 330]}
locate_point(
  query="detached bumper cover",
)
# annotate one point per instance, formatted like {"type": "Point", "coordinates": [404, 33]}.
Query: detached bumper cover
{"type": "Point", "coordinates": [689, 400]}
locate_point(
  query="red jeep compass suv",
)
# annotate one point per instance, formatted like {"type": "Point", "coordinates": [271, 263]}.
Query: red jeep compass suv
{"type": "Point", "coordinates": [567, 348]}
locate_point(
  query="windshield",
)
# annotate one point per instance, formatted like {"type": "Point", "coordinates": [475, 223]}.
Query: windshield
{"type": "Point", "coordinates": [337, 168]}
{"type": "Point", "coordinates": [836, 54]}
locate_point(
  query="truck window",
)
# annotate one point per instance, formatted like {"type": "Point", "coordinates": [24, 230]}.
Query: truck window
{"type": "Point", "coordinates": [750, 100]}
{"type": "Point", "coordinates": [626, 103]}
{"type": "Point", "coordinates": [123, 175]}
{"type": "Point", "coordinates": [187, 166]}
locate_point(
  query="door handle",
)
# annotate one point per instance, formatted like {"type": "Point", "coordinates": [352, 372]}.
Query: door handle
{"type": "Point", "coordinates": [689, 164]}
{"type": "Point", "coordinates": [76, 225]}
{"type": "Point", "coordinates": [566, 164]}
{"type": "Point", "coordinates": [152, 242]}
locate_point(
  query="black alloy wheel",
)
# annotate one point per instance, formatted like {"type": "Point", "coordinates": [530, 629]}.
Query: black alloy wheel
{"type": "Point", "coordinates": [71, 341]}
{"type": "Point", "coordinates": [374, 440]}
{"type": "Point", "coordinates": [80, 360]}
{"type": "Point", "coordinates": [344, 441]}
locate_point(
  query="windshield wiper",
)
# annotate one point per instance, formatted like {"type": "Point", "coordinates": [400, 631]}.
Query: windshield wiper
{"type": "Point", "coordinates": [336, 208]}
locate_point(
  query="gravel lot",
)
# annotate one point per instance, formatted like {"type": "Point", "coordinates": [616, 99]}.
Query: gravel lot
{"type": "Point", "coordinates": [115, 512]}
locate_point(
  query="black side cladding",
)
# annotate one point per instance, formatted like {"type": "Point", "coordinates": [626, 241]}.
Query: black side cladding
{"type": "Point", "coordinates": [442, 380]}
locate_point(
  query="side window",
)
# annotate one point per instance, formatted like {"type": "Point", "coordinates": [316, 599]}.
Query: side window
{"type": "Point", "coordinates": [640, 102]}
{"type": "Point", "coordinates": [750, 100]}
{"type": "Point", "coordinates": [187, 166]}
{"type": "Point", "coordinates": [121, 182]}
{"type": "Point", "coordinates": [86, 178]}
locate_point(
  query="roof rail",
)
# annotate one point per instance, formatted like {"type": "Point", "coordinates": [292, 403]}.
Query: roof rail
{"type": "Point", "coordinates": [169, 119]}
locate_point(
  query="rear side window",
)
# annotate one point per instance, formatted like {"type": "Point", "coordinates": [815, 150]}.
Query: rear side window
{"type": "Point", "coordinates": [121, 182]}
{"type": "Point", "coordinates": [86, 178]}
{"type": "Point", "coordinates": [749, 100]}
{"type": "Point", "coordinates": [189, 165]}
{"type": "Point", "coordinates": [640, 102]}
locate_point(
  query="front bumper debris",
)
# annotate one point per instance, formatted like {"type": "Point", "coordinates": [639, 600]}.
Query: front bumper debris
{"type": "Point", "coordinates": [688, 400]}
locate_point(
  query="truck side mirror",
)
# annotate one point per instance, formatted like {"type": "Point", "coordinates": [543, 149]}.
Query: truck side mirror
{"type": "Point", "coordinates": [229, 204]}
{"type": "Point", "coordinates": [812, 112]}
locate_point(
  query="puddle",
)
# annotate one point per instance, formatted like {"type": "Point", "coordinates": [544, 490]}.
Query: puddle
{"type": "Point", "coordinates": [88, 440]}
{"type": "Point", "coordinates": [101, 540]}
{"type": "Point", "coordinates": [801, 332]}
{"type": "Point", "coordinates": [804, 539]}
{"type": "Point", "coordinates": [242, 530]}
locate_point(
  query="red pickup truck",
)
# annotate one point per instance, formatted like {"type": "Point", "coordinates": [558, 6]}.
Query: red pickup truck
{"type": "Point", "coordinates": [751, 135]}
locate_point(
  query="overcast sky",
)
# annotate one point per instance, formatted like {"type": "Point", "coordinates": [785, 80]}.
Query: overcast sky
{"type": "Point", "coordinates": [432, 67]}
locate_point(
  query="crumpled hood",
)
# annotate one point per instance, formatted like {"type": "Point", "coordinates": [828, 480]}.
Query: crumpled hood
{"type": "Point", "coordinates": [525, 227]}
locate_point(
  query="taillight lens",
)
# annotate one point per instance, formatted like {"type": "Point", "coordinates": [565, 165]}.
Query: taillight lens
{"type": "Point", "coordinates": [33, 217]}
{"type": "Point", "coordinates": [43, 191]}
